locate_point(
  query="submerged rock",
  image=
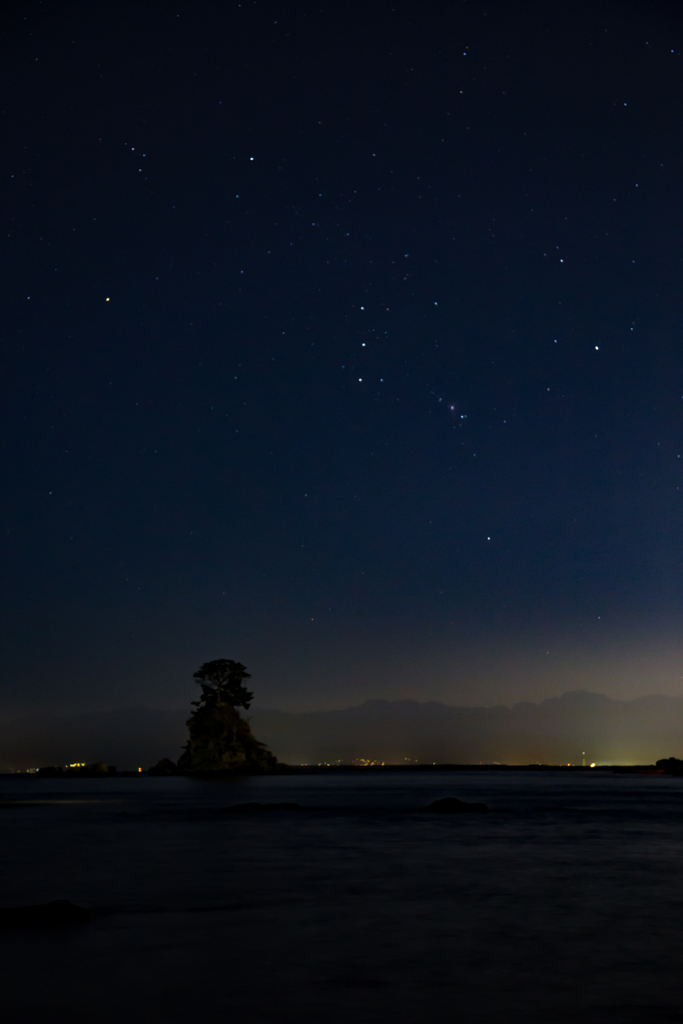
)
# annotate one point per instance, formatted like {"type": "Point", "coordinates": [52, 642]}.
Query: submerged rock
{"type": "Point", "coordinates": [56, 913]}
{"type": "Point", "coordinates": [256, 808]}
{"type": "Point", "coordinates": [451, 805]}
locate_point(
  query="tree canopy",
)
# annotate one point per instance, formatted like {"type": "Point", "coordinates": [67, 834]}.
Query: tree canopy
{"type": "Point", "coordinates": [222, 680]}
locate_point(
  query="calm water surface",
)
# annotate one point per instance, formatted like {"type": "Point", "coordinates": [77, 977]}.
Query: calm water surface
{"type": "Point", "coordinates": [564, 903]}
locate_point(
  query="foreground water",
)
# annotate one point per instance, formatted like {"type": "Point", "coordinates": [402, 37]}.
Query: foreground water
{"type": "Point", "coordinates": [564, 903]}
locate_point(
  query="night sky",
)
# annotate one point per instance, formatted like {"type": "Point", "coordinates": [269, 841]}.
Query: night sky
{"type": "Point", "coordinates": [344, 340]}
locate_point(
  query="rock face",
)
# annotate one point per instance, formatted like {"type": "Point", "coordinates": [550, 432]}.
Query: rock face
{"type": "Point", "coordinates": [221, 741]}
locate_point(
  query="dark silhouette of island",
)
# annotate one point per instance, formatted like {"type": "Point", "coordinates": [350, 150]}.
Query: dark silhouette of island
{"type": "Point", "coordinates": [95, 770]}
{"type": "Point", "coordinates": [164, 767]}
{"type": "Point", "coordinates": [220, 739]}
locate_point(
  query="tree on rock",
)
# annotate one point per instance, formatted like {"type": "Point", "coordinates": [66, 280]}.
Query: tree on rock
{"type": "Point", "coordinates": [220, 739]}
{"type": "Point", "coordinates": [223, 678]}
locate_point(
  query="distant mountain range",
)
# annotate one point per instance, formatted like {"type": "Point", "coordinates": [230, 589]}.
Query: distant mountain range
{"type": "Point", "coordinates": [555, 731]}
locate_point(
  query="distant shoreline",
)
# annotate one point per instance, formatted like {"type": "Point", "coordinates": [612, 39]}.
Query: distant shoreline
{"type": "Point", "coordinates": [312, 769]}
{"type": "Point", "coordinates": [341, 769]}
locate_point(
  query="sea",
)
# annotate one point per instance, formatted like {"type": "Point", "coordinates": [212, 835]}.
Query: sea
{"type": "Point", "coordinates": [563, 903]}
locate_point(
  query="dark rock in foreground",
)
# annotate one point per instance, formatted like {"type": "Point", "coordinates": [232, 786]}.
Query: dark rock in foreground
{"type": "Point", "coordinates": [57, 913]}
{"type": "Point", "coordinates": [451, 805]}
{"type": "Point", "coordinates": [256, 808]}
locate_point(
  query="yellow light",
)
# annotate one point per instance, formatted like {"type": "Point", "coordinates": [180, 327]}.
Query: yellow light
{"type": "Point", "coordinates": [593, 765]}
{"type": "Point", "coordinates": [139, 769]}
{"type": "Point", "coordinates": [106, 300]}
